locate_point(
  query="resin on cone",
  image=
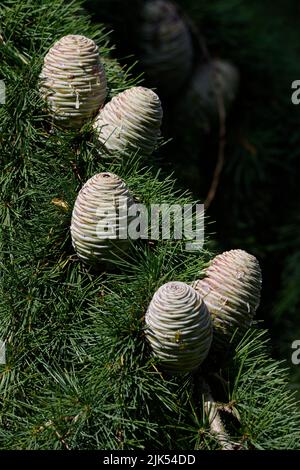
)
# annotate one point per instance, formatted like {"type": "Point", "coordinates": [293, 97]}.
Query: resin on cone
{"type": "Point", "coordinates": [166, 49]}
{"type": "Point", "coordinates": [217, 77]}
{"type": "Point", "coordinates": [130, 121]}
{"type": "Point", "coordinates": [99, 219]}
{"type": "Point", "coordinates": [178, 328]}
{"type": "Point", "coordinates": [73, 81]}
{"type": "Point", "coordinates": [231, 291]}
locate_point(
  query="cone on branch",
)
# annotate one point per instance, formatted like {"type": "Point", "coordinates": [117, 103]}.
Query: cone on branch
{"type": "Point", "coordinates": [73, 80]}
{"type": "Point", "coordinates": [178, 328]}
{"type": "Point", "coordinates": [214, 80]}
{"type": "Point", "coordinates": [231, 290]}
{"type": "Point", "coordinates": [165, 46]}
{"type": "Point", "coordinates": [100, 219]}
{"type": "Point", "coordinates": [130, 121]}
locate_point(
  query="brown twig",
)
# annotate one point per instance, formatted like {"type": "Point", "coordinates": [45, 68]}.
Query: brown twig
{"type": "Point", "coordinates": [76, 171]}
{"type": "Point", "coordinates": [217, 429]}
{"type": "Point", "coordinates": [60, 437]}
{"type": "Point", "coordinates": [222, 142]}
{"type": "Point", "coordinates": [201, 44]}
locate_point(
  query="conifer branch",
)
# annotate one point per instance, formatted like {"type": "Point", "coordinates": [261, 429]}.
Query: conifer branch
{"type": "Point", "coordinates": [217, 428]}
{"type": "Point", "coordinates": [65, 337]}
{"type": "Point", "coordinates": [221, 151]}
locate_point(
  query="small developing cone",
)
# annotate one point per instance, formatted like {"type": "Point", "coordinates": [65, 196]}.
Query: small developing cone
{"type": "Point", "coordinates": [73, 81]}
{"type": "Point", "coordinates": [130, 121]}
{"type": "Point", "coordinates": [231, 291]}
{"type": "Point", "coordinates": [99, 219]}
{"type": "Point", "coordinates": [178, 328]}
{"type": "Point", "coordinates": [166, 49]}
{"type": "Point", "coordinates": [214, 80]}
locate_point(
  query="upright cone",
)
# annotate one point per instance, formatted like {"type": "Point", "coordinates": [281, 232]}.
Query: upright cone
{"type": "Point", "coordinates": [130, 121]}
{"type": "Point", "coordinates": [99, 219]}
{"type": "Point", "coordinates": [231, 291]}
{"type": "Point", "coordinates": [73, 80]}
{"type": "Point", "coordinates": [200, 101]}
{"type": "Point", "coordinates": [178, 328]}
{"type": "Point", "coordinates": [166, 50]}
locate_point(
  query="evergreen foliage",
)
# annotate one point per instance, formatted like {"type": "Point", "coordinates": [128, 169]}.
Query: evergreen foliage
{"type": "Point", "coordinates": [79, 374]}
{"type": "Point", "coordinates": [256, 205]}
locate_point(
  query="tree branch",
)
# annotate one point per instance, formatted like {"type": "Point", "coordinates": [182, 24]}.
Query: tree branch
{"type": "Point", "coordinates": [222, 142]}
{"type": "Point", "coordinates": [216, 425]}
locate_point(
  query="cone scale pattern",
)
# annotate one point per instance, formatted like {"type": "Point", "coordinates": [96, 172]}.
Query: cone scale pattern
{"type": "Point", "coordinates": [99, 219]}
{"type": "Point", "coordinates": [231, 291]}
{"type": "Point", "coordinates": [73, 80]}
{"type": "Point", "coordinates": [131, 120]}
{"type": "Point", "coordinates": [166, 50]}
{"type": "Point", "coordinates": [178, 328]}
